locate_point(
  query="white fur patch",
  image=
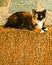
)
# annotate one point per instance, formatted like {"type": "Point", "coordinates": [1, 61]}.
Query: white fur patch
{"type": "Point", "coordinates": [39, 23]}
{"type": "Point", "coordinates": [42, 31]}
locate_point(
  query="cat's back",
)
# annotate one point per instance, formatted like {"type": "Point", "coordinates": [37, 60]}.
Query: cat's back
{"type": "Point", "coordinates": [21, 14]}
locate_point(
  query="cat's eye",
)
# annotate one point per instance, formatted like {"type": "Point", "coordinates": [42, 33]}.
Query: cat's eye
{"type": "Point", "coordinates": [41, 16]}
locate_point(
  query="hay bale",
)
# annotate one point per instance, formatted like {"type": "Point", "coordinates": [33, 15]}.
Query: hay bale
{"type": "Point", "coordinates": [23, 47]}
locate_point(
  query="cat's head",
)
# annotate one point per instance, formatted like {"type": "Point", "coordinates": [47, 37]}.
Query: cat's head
{"type": "Point", "coordinates": [40, 15]}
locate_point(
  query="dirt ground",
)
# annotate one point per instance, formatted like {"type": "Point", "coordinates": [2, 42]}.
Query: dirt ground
{"type": "Point", "coordinates": [24, 47]}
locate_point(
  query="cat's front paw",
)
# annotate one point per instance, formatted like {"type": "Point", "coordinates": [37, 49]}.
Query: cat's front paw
{"type": "Point", "coordinates": [42, 31]}
{"type": "Point", "coordinates": [46, 29]}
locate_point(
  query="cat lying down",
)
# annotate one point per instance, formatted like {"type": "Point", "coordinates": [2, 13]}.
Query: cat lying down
{"type": "Point", "coordinates": [27, 20]}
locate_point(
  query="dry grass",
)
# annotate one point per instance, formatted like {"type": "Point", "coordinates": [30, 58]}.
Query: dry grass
{"type": "Point", "coordinates": [23, 47]}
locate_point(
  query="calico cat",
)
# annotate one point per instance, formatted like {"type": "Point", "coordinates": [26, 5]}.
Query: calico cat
{"type": "Point", "coordinates": [27, 20]}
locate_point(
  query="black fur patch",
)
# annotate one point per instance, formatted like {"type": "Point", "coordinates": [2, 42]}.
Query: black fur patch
{"type": "Point", "coordinates": [41, 15]}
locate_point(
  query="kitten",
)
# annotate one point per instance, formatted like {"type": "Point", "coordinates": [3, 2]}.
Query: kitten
{"type": "Point", "coordinates": [27, 20]}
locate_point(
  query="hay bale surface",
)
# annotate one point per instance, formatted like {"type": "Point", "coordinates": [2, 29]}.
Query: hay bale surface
{"type": "Point", "coordinates": [24, 47]}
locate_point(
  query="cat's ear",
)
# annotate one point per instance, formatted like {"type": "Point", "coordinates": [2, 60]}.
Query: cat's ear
{"type": "Point", "coordinates": [44, 11]}
{"type": "Point", "coordinates": [33, 11]}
